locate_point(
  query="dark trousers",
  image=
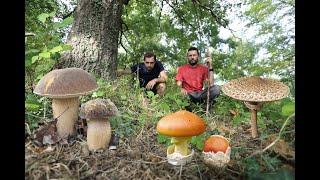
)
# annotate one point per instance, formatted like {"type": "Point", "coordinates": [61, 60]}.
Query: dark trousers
{"type": "Point", "coordinates": [201, 96]}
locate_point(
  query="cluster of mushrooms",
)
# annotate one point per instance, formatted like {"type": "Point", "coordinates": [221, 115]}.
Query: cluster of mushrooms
{"type": "Point", "coordinates": [65, 86]}
{"type": "Point", "coordinates": [182, 125]}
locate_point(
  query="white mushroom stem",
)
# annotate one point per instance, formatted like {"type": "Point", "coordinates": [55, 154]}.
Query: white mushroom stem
{"type": "Point", "coordinates": [98, 133]}
{"type": "Point", "coordinates": [254, 129]}
{"type": "Point", "coordinates": [181, 145]}
{"type": "Point", "coordinates": [66, 110]}
{"type": "Point", "coordinates": [254, 107]}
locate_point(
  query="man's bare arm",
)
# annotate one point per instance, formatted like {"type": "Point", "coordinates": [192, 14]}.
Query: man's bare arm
{"type": "Point", "coordinates": [162, 77]}
{"type": "Point", "coordinates": [183, 91]}
{"type": "Point", "coordinates": [121, 72]}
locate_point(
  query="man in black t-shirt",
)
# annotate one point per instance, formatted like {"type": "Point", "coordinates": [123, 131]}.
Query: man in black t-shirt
{"type": "Point", "coordinates": [151, 73]}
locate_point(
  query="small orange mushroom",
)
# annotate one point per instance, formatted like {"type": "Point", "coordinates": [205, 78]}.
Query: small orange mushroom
{"type": "Point", "coordinates": [216, 151]}
{"type": "Point", "coordinates": [216, 144]}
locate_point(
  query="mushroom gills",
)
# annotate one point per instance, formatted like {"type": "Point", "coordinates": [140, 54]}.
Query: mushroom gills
{"type": "Point", "coordinates": [180, 145]}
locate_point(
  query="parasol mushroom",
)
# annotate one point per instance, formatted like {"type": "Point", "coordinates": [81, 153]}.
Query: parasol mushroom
{"type": "Point", "coordinates": [181, 126]}
{"type": "Point", "coordinates": [216, 151]}
{"type": "Point", "coordinates": [97, 112]}
{"type": "Point", "coordinates": [65, 86]}
{"type": "Point", "coordinates": [254, 91]}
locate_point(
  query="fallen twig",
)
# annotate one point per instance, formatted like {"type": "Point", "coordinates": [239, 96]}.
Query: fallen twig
{"type": "Point", "coordinates": [276, 140]}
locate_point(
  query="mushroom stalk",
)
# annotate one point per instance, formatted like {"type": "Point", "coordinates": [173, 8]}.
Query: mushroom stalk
{"type": "Point", "coordinates": [66, 111]}
{"type": "Point", "coordinates": [98, 133]}
{"type": "Point", "coordinates": [254, 107]}
{"type": "Point", "coordinates": [181, 145]}
{"type": "Point", "coordinates": [254, 131]}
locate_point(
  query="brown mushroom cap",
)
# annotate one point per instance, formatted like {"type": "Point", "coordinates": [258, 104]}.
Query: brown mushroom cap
{"type": "Point", "coordinates": [256, 89]}
{"type": "Point", "coordinates": [98, 109]}
{"type": "Point", "coordinates": [181, 124]}
{"type": "Point", "coordinates": [66, 83]}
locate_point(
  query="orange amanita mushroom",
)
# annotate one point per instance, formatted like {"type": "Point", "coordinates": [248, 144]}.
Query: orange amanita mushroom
{"type": "Point", "coordinates": [216, 151]}
{"type": "Point", "coordinates": [181, 126]}
{"type": "Point", "coordinates": [254, 91]}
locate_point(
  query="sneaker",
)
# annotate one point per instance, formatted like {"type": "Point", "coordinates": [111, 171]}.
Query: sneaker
{"type": "Point", "coordinates": [114, 142]}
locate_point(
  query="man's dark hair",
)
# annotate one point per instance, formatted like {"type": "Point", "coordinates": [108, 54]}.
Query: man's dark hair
{"type": "Point", "coordinates": [148, 55]}
{"type": "Point", "coordinates": [194, 48]}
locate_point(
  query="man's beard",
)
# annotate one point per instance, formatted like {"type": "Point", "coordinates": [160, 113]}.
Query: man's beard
{"type": "Point", "coordinates": [193, 62]}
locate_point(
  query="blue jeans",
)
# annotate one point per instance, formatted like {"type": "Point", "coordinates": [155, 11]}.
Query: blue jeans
{"type": "Point", "coordinates": [201, 96]}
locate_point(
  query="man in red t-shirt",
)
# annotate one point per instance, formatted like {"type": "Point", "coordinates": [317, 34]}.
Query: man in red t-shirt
{"type": "Point", "coordinates": [191, 77]}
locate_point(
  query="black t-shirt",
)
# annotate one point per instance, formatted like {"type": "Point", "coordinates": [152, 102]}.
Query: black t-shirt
{"type": "Point", "coordinates": [144, 75]}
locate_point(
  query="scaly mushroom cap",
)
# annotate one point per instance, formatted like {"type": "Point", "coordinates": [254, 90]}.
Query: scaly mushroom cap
{"type": "Point", "coordinates": [98, 109]}
{"type": "Point", "coordinates": [181, 124]}
{"type": "Point", "coordinates": [256, 89]}
{"type": "Point", "coordinates": [66, 83]}
{"type": "Point", "coordinates": [215, 144]}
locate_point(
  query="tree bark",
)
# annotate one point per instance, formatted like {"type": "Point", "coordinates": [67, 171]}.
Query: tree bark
{"type": "Point", "coordinates": [94, 37]}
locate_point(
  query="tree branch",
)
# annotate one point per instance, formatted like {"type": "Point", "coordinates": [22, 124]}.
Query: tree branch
{"type": "Point", "coordinates": [178, 14]}
{"type": "Point", "coordinates": [217, 19]}
{"type": "Point", "coordinates": [69, 14]}
{"type": "Point", "coordinates": [287, 3]}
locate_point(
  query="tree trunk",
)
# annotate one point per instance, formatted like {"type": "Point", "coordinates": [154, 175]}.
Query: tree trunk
{"type": "Point", "coordinates": [94, 37]}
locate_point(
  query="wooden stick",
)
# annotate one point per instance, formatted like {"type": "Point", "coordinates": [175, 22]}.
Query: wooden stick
{"type": "Point", "coordinates": [208, 91]}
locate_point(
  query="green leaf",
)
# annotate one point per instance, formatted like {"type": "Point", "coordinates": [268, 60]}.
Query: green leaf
{"type": "Point", "coordinates": [64, 23]}
{"type": "Point", "coordinates": [32, 51]}
{"type": "Point", "coordinates": [27, 62]}
{"type": "Point", "coordinates": [42, 17]}
{"type": "Point", "coordinates": [66, 47]}
{"type": "Point", "coordinates": [39, 77]}
{"type": "Point", "coordinates": [32, 107]}
{"type": "Point", "coordinates": [56, 49]}
{"type": "Point", "coordinates": [100, 93]}
{"type": "Point", "coordinates": [165, 107]}
{"type": "Point", "coordinates": [53, 13]}
{"type": "Point", "coordinates": [34, 59]}
{"type": "Point", "coordinates": [198, 141]}
{"type": "Point", "coordinates": [288, 109]}
{"type": "Point", "coordinates": [163, 139]}
{"type": "Point", "coordinates": [67, 21]}
{"type": "Point", "coordinates": [45, 54]}
{"type": "Point", "coordinates": [150, 94]}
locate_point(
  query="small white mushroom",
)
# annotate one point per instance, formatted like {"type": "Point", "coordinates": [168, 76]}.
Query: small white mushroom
{"type": "Point", "coordinates": [97, 112]}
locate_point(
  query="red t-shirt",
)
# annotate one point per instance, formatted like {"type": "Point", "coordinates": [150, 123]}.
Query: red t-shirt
{"type": "Point", "coordinates": [192, 77]}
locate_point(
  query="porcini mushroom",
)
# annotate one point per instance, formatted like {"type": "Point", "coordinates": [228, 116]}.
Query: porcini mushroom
{"type": "Point", "coordinates": [65, 86]}
{"type": "Point", "coordinates": [97, 112]}
{"type": "Point", "coordinates": [216, 151]}
{"type": "Point", "coordinates": [254, 91]}
{"type": "Point", "coordinates": [181, 126]}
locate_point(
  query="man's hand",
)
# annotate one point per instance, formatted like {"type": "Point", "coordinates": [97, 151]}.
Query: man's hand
{"type": "Point", "coordinates": [208, 60]}
{"type": "Point", "coordinates": [151, 84]}
{"type": "Point", "coordinates": [184, 92]}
